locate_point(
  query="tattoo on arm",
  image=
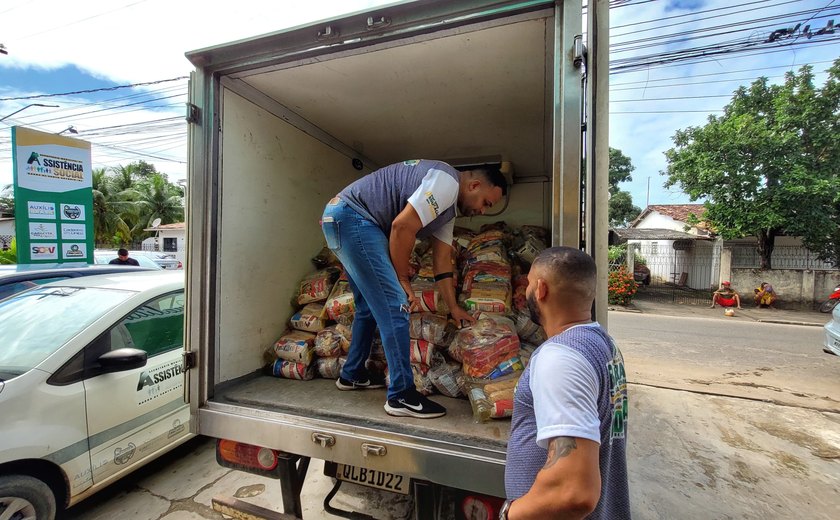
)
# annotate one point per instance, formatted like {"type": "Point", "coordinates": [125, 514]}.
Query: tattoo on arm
{"type": "Point", "coordinates": [558, 448]}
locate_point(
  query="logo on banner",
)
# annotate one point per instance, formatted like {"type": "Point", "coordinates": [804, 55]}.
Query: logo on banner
{"type": "Point", "coordinates": [42, 231]}
{"type": "Point", "coordinates": [72, 212]}
{"type": "Point", "coordinates": [73, 232]}
{"type": "Point", "coordinates": [45, 252]}
{"type": "Point", "coordinates": [73, 251]}
{"type": "Point", "coordinates": [45, 210]}
{"type": "Point", "coordinates": [53, 167]}
{"type": "Point", "coordinates": [34, 158]}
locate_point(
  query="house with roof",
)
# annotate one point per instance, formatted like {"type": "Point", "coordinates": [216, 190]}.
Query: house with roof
{"type": "Point", "coordinates": [169, 238]}
{"type": "Point", "coordinates": [692, 256]}
{"type": "Point", "coordinates": [675, 252]}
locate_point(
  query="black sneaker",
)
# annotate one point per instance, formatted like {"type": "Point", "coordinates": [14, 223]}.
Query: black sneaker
{"type": "Point", "coordinates": [414, 404]}
{"type": "Point", "coordinates": [372, 382]}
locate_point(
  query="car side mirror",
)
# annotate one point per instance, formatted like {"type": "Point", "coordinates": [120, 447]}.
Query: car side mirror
{"type": "Point", "coordinates": [122, 359]}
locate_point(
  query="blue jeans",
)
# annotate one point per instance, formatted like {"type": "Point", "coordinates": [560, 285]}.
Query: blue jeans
{"type": "Point", "coordinates": [362, 248]}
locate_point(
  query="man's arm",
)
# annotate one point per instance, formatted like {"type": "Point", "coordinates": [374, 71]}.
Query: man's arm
{"type": "Point", "coordinates": [568, 486]}
{"type": "Point", "coordinates": [442, 263]}
{"type": "Point", "coordinates": [401, 243]}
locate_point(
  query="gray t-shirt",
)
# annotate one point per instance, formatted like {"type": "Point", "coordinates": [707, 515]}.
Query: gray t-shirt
{"type": "Point", "coordinates": [431, 187]}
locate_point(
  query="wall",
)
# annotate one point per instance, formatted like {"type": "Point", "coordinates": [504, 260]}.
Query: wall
{"type": "Point", "coordinates": [7, 227]}
{"type": "Point", "coordinates": [792, 285]}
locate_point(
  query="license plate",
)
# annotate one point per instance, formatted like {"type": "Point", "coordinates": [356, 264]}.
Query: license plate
{"type": "Point", "coordinates": [373, 478]}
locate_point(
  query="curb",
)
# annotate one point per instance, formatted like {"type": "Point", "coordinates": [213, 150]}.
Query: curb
{"type": "Point", "coordinates": [623, 309]}
{"type": "Point", "coordinates": [790, 322]}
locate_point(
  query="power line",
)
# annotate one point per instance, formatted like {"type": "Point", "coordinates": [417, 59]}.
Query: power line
{"type": "Point", "coordinates": [103, 89]}
{"type": "Point", "coordinates": [721, 73]}
{"type": "Point", "coordinates": [693, 13]}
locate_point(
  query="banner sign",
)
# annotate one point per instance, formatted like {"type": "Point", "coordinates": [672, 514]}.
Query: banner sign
{"type": "Point", "coordinates": [53, 197]}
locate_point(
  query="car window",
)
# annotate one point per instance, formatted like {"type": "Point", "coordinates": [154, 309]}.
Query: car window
{"type": "Point", "coordinates": [36, 323]}
{"type": "Point", "coordinates": [155, 327]}
{"type": "Point", "coordinates": [144, 261]}
{"type": "Point", "coordinates": [16, 287]}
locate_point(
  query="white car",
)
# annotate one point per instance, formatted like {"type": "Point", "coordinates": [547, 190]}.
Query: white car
{"type": "Point", "coordinates": [832, 333]}
{"type": "Point", "coordinates": [91, 386]}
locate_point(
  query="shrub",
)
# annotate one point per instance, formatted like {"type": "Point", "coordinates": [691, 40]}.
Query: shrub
{"type": "Point", "coordinates": [9, 256]}
{"type": "Point", "coordinates": [621, 286]}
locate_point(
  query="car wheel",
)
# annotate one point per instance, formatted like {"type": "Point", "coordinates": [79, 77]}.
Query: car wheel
{"type": "Point", "coordinates": [25, 497]}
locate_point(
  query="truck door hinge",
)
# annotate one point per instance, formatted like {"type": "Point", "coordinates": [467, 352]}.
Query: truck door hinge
{"type": "Point", "coordinates": [580, 52]}
{"type": "Point", "coordinates": [192, 113]}
{"type": "Point", "coordinates": [189, 360]}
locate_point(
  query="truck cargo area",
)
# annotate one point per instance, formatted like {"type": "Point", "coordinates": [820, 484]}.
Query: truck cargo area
{"type": "Point", "coordinates": [290, 131]}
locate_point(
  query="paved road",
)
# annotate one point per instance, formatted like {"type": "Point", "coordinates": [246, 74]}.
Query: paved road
{"type": "Point", "coordinates": [777, 363]}
{"type": "Point", "coordinates": [691, 454]}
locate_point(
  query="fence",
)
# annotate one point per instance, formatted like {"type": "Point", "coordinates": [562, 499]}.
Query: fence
{"type": "Point", "coordinates": [678, 271]}
{"type": "Point", "coordinates": [783, 257]}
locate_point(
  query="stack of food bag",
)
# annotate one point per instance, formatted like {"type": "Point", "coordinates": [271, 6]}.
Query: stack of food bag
{"type": "Point", "coordinates": [423, 284]}
{"type": "Point", "coordinates": [340, 306]}
{"type": "Point", "coordinates": [487, 274]}
{"type": "Point", "coordinates": [489, 348]}
{"type": "Point", "coordinates": [430, 337]}
{"type": "Point", "coordinates": [331, 346]}
{"type": "Point", "coordinates": [294, 351]}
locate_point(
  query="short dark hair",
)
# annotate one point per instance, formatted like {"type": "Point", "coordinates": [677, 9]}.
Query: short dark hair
{"type": "Point", "coordinates": [569, 267]}
{"type": "Point", "coordinates": [122, 252]}
{"type": "Point", "coordinates": [491, 173]}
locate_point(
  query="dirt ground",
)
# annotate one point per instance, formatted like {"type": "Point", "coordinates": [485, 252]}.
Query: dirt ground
{"type": "Point", "coordinates": [696, 456]}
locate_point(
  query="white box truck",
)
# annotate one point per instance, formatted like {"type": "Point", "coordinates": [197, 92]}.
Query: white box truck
{"type": "Point", "coordinates": [281, 123]}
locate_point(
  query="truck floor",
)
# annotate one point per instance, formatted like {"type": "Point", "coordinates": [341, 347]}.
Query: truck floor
{"type": "Point", "coordinates": [319, 398]}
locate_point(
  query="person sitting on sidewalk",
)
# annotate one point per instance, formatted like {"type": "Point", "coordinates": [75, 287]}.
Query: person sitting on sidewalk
{"type": "Point", "coordinates": [765, 296]}
{"type": "Point", "coordinates": [726, 296]}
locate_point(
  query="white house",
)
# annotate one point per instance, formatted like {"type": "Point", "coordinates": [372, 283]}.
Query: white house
{"type": "Point", "coordinates": [675, 251]}
{"type": "Point", "coordinates": [169, 238]}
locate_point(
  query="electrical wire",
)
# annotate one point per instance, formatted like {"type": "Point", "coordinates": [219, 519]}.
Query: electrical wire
{"type": "Point", "coordinates": [103, 89]}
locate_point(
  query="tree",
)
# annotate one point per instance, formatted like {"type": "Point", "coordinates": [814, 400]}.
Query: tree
{"type": "Point", "coordinates": [621, 208]}
{"type": "Point", "coordinates": [108, 220]}
{"type": "Point", "coordinates": [7, 201]}
{"type": "Point", "coordinates": [156, 198]}
{"type": "Point", "coordinates": [768, 165]}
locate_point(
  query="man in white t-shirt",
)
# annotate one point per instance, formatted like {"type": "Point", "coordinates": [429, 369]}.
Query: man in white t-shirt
{"type": "Point", "coordinates": [371, 226]}
{"type": "Point", "coordinates": [566, 455]}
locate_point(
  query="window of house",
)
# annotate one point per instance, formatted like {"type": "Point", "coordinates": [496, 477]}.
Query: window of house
{"type": "Point", "coordinates": [170, 245]}
{"type": "Point", "coordinates": [654, 248]}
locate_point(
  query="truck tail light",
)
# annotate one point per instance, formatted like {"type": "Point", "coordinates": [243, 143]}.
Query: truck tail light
{"type": "Point", "coordinates": [480, 507]}
{"type": "Point", "coordinates": [247, 457]}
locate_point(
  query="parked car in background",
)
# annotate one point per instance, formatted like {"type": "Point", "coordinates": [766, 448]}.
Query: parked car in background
{"type": "Point", "coordinates": [101, 256]}
{"type": "Point", "coordinates": [91, 386]}
{"type": "Point", "coordinates": [165, 261]}
{"type": "Point", "coordinates": [832, 333]}
{"type": "Point", "coordinates": [19, 277]}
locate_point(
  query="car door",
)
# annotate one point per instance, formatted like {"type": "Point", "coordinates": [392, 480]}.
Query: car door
{"type": "Point", "coordinates": [135, 413]}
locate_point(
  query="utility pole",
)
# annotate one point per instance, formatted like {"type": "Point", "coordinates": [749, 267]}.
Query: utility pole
{"type": "Point", "coordinates": [27, 106]}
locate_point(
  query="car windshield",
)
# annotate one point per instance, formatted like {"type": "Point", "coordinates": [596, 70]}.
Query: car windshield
{"type": "Point", "coordinates": [36, 323]}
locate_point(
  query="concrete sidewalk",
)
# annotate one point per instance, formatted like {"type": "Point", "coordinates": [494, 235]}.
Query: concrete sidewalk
{"type": "Point", "coordinates": [750, 313]}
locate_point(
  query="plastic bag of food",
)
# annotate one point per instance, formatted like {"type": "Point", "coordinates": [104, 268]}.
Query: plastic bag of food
{"type": "Point", "coordinates": [292, 370]}
{"type": "Point", "coordinates": [340, 301]}
{"type": "Point", "coordinates": [492, 400]}
{"type": "Point", "coordinates": [346, 320]}
{"type": "Point", "coordinates": [329, 368]}
{"type": "Point", "coordinates": [484, 345]}
{"type": "Point", "coordinates": [526, 350]}
{"type": "Point", "coordinates": [528, 330]}
{"type": "Point", "coordinates": [528, 251]}
{"type": "Point", "coordinates": [448, 378]}
{"type": "Point", "coordinates": [296, 346]}
{"type": "Point", "coordinates": [376, 366]}
{"type": "Point", "coordinates": [421, 351]}
{"type": "Point", "coordinates": [507, 367]}
{"type": "Point", "coordinates": [520, 286]}
{"type": "Point", "coordinates": [316, 287]}
{"type": "Point", "coordinates": [309, 319]}
{"type": "Point", "coordinates": [332, 342]}
{"type": "Point", "coordinates": [490, 297]}
{"type": "Point", "coordinates": [431, 327]}
{"type": "Point", "coordinates": [428, 299]}
{"type": "Point", "coordinates": [421, 379]}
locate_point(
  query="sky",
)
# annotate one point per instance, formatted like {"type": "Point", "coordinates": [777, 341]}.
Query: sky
{"type": "Point", "coordinates": [59, 47]}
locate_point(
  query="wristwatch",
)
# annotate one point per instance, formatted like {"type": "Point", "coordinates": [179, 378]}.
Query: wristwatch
{"type": "Point", "coordinates": [503, 512]}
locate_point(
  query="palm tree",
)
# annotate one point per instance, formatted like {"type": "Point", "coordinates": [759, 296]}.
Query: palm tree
{"type": "Point", "coordinates": [108, 209]}
{"type": "Point", "coordinates": [155, 198]}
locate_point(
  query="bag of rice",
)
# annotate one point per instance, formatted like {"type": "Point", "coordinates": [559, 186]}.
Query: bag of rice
{"type": "Point", "coordinates": [329, 368]}
{"type": "Point", "coordinates": [292, 370]}
{"type": "Point", "coordinates": [316, 287]}
{"type": "Point", "coordinates": [448, 378]}
{"type": "Point", "coordinates": [296, 346]}
{"type": "Point", "coordinates": [340, 301]}
{"type": "Point", "coordinates": [309, 319]}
